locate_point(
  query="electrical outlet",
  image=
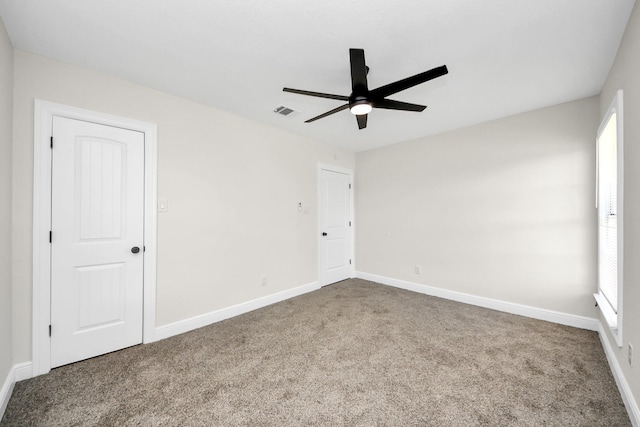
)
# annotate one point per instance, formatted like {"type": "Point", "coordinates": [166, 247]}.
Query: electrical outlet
{"type": "Point", "coordinates": [630, 355]}
{"type": "Point", "coordinates": [417, 269]}
{"type": "Point", "coordinates": [264, 280]}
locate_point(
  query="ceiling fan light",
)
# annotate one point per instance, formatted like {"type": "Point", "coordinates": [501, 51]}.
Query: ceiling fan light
{"type": "Point", "coordinates": [361, 109]}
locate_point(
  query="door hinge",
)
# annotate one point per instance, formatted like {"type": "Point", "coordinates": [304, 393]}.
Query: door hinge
{"type": "Point", "coordinates": [349, 223]}
{"type": "Point", "coordinates": [49, 330]}
{"type": "Point", "coordinates": [52, 142]}
{"type": "Point", "coordinates": [349, 185]}
{"type": "Point", "coordinates": [50, 236]}
{"type": "Point", "coordinates": [349, 261]}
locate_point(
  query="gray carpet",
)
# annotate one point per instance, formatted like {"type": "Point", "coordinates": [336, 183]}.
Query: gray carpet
{"type": "Point", "coordinates": [355, 353]}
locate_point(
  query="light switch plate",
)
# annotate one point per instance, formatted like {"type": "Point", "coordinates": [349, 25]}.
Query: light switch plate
{"type": "Point", "coordinates": [163, 205]}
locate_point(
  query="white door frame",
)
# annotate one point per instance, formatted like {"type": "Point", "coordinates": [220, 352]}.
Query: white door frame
{"type": "Point", "coordinates": [338, 169]}
{"type": "Point", "coordinates": [43, 125]}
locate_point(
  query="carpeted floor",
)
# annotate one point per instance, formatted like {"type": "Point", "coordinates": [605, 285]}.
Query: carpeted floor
{"type": "Point", "coordinates": [355, 353]}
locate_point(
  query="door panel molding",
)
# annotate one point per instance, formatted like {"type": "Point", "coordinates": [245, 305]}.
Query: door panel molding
{"type": "Point", "coordinates": [41, 309]}
{"type": "Point", "coordinates": [322, 281]}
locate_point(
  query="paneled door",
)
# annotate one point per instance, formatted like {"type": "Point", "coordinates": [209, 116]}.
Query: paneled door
{"type": "Point", "coordinates": [97, 218]}
{"type": "Point", "coordinates": [335, 226]}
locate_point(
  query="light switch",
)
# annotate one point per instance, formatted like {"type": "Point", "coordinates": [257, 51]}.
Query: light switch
{"type": "Point", "coordinates": [163, 205]}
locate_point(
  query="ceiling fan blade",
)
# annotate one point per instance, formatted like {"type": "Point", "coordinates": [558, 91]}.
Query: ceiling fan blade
{"type": "Point", "coordinates": [400, 85]}
{"type": "Point", "coordinates": [362, 121]}
{"type": "Point", "coordinates": [318, 94]}
{"type": "Point", "coordinates": [358, 71]}
{"type": "Point", "coordinates": [390, 104]}
{"type": "Point", "coordinates": [328, 113]}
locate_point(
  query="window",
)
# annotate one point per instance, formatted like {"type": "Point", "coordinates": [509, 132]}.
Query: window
{"type": "Point", "coordinates": [609, 203]}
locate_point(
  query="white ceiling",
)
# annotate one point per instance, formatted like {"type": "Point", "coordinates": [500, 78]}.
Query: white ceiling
{"type": "Point", "coordinates": [504, 56]}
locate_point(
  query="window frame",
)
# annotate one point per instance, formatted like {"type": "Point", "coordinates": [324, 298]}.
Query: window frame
{"type": "Point", "coordinates": [613, 318]}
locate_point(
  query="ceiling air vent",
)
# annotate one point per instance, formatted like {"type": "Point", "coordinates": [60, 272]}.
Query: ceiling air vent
{"type": "Point", "coordinates": [284, 111]}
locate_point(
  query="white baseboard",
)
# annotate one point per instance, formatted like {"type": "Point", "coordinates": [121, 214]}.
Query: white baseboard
{"type": "Point", "coordinates": [508, 307]}
{"type": "Point", "coordinates": [196, 322]}
{"type": "Point", "coordinates": [24, 371]}
{"type": "Point", "coordinates": [19, 372]}
{"type": "Point", "coordinates": [7, 389]}
{"type": "Point", "coordinates": [623, 386]}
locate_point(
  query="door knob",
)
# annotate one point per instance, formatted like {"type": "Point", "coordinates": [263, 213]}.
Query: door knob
{"type": "Point", "coordinates": [324, 234]}
{"type": "Point", "coordinates": [135, 249]}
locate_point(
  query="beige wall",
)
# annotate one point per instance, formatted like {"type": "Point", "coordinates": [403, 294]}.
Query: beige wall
{"type": "Point", "coordinates": [625, 75]}
{"type": "Point", "coordinates": [502, 210]}
{"type": "Point", "coordinates": [6, 106]}
{"type": "Point", "coordinates": [233, 187]}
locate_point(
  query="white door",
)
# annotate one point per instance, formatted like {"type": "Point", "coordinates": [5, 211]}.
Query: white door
{"type": "Point", "coordinates": [335, 225]}
{"type": "Point", "coordinates": [97, 216]}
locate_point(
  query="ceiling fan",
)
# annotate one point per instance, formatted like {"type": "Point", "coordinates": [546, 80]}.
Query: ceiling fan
{"type": "Point", "coordinates": [362, 100]}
